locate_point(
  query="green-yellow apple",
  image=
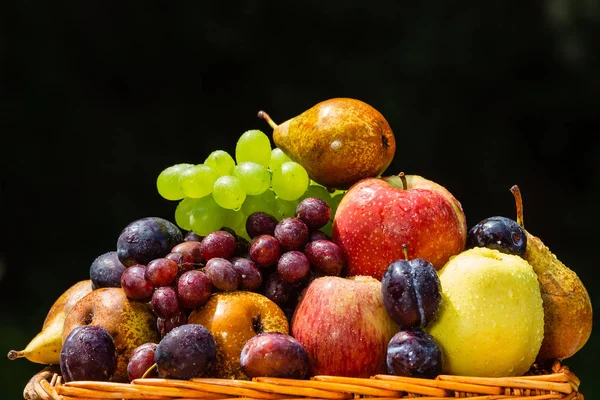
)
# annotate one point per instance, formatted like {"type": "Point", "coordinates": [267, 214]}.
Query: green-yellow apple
{"type": "Point", "coordinates": [130, 323]}
{"type": "Point", "coordinates": [491, 319]}
{"type": "Point", "coordinates": [377, 216]}
{"type": "Point", "coordinates": [344, 326]}
{"type": "Point", "coordinates": [233, 317]}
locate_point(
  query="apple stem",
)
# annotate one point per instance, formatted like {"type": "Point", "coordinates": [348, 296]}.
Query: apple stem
{"type": "Point", "coordinates": [519, 202]}
{"type": "Point", "coordinates": [403, 179]}
{"type": "Point", "coordinates": [149, 370]}
{"type": "Point", "coordinates": [405, 250]}
{"type": "Point", "coordinates": [265, 116]}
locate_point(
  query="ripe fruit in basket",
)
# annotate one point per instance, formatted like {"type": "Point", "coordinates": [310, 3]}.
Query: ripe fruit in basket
{"type": "Point", "coordinates": [145, 239]}
{"type": "Point", "coordinates": [129, 322]}
{"type": "Point", "coordinates": [415, 353]}
{"type": "Point", "coordinates": [567, 305]}
{"type": "Point", "coordinates": [344, 326]}
{"type": "Point", "coordinates": [377, 216]}
{"type": "Point", "coordinates": [411, 292]}
{"type": "Point", "coordinates": [45, 347]}
{"type": "Point", "coordinates": [338, 141]}
{"type": "Point", "coordinates": [274, 354]}
{"type": "Point", "coordinates": [88, 354]}
{"type": "Point", "coordinates": [233, 318]}
{"type": "Point", "coordinates": [491, 319]}
{"type": "Point", "coordinates": [187, 351]}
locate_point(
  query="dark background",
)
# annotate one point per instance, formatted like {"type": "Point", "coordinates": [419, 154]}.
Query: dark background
{"type": "Point", "coordinates": [98, 98]}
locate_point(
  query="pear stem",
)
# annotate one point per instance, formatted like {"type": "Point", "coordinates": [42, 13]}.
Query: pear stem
{"type": "Point", "coordinates": [519, 202]}
{"type": "Point", "coordinates": [405, 250]}
{"type": "Point", "coordinates": [14, 354]}
{"type": "Point", "coordinates": [265, 116]}
{"type": "Point", "coordinates": [149, 370]}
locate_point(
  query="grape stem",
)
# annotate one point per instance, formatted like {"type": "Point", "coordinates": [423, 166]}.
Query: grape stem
{"type": "Point", "coordinates": [265, 116]}
{"type": "Point", "coordinates": [149, 370]}
{"type": "Point", "coordinates": [519, 203]}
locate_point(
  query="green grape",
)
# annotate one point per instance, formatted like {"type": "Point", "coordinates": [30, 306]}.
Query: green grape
{"type": "Point", "coordinates": [197, 181]}
{"type": "Point", "coordinates": [206, 216]}
{"type": "Point", "coordinates": [256, 178]}
{"type": "Point", "coordinates": [236, 220]}
{"type": "Point", "coordinates": [183, 211]}
{"type": "Point", "coordinates": [278, 157]}
{"type": "Point", "coordinates": [255, 146]}
{"type": "Point", "coordinates": [221, 161]}
{"type": "Point", "coordinates": [228, 191]}
{"type": "Point", "coordinates": [290, 181]}
{"type": "Point", "coordinates": [264, 202]}
{"type": "Point", "coordinates": [285, 208]}
{"type": "Point", "coordinates": [167, 182]}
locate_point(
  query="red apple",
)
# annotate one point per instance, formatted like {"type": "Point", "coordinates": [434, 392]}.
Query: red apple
{"type": "Point", "coordinates": [377, 216]}
{"type": "Point", "coordinates": [344, 326]}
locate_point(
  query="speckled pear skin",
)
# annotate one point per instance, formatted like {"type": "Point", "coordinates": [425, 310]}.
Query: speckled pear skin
{"type": "Point", "coordinates": [338, 141]}
{"type": "Point", "coordinates": [567, 304]}
{"type": "Point", "coordinates": [130, 323]}
{"type": "Point", "coordinates": [233, 317]}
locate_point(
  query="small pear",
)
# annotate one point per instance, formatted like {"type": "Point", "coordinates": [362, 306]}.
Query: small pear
{"type": "Point", "coordinates": [45, 347]}
{"type": "Point", "coordinates": [338, 141]}
{"type": "Point", "coordinates": [567, 304]}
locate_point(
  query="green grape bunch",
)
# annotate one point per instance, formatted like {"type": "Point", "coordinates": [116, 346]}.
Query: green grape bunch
{"type": "Point", "coordinates": [223, 191]}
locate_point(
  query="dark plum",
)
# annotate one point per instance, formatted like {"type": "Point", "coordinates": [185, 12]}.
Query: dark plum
{"type": "Point", "coordinates": [88, 354]}
{"type": "Point", "coordinates": [194, 288]}
{"type": "Point", "coordinates": [222, 274]}
{"type": "Point", "coordinates": [260, 223]}
{"type": "Point", "coordinates": [274, 354]}
{"type": "Point", "coordinates": [414, 353]}
{"type": "Point", "coordinates": [145, 239]}
{"type": "Point", "coordinates": [293, 266]}
{"type": "Point", "coordinates": [264, 250]}
{"type": "Point", "coordinates": [411, 292]}
{"type": "Point", "coordinates": [220, 244]}
{"type": "Point", "coordinates": [250, 275]}
{"type": "Point", "coordinates": [106, 270]}
{"type": "Point", "coordinates": [314, 212]}
{"type": "Point", "coordinates": [134, 283]}
{"type": "Point", "coordinates": [500, 233]}
{"type": "Point", "coordinates": [187, 351]}
{"type": "Point", "coordinates": [292, 234]}
{"type": "Point", "coordinates": [140, 361]}
{"type": "Point", "coordinates": [325, 256]}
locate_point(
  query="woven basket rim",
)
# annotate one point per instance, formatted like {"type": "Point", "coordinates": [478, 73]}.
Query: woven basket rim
{"type": "Point", "coordinates": [558, 382]}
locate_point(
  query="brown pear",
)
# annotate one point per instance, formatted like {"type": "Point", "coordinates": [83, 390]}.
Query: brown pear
{"type": "Point", "coordinates": [45, 347]}
{"type": "Point", "coordinates": [130, 323]}
{"type": "Point", "coordinates": [567, 304]}
{"type": "Point", "coordinates": [338, 141]}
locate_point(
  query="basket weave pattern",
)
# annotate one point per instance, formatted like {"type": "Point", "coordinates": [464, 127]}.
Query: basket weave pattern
{"type": "Point", "coordinates": [557, 383]}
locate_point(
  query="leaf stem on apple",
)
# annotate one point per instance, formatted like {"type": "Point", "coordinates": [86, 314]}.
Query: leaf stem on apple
{"type": "Point", "coordinates": [265, 116]}
{"type": "Point", "coordinates": [519, 202]}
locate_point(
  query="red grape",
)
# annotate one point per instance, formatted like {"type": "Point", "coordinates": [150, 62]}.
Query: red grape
{"type": "Point", "coordinates": [165, 302]}
{"type": "Point", "coordinates": [165, 325]}
{"type": "Point", "coordinates": [142, 358]}
{"type": "Point", "coordinates": [264, 250]}
{"type": "Point", "coordinates": [218, 244]}
{"type": "Point", "coordinates": [326, 256]}
{"type": "Point", "coordinates": [293, 266]}
{"type": "Point", "coordinates": [314, 212]}
{"type": "Point", "coordinates": [292, 233]}
{"type": "Point", "coordinates": [184, 260]}
{"type": "Point", "coordinates": [250, 275]}
{"type": "Point", "coordinates": [194, 288]}
{"type": "Point", "coordinates": [260, 223]}
{"type": "Point", "coordinates": [161, 272]}
{"type": "Point", "coordinates": [222, 274]}
{"type": "Point", "coordinates": [134, 283]}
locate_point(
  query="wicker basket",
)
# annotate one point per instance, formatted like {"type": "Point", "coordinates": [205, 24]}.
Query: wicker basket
{"type": "Point", "coordinates": [557, 383]}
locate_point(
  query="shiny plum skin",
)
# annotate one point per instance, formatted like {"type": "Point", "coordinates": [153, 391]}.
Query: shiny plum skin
{"type": "Point", "coordinates": [145, 239]}
{"type": "Point", "coordinates": [274, 354]}
{"type": "Point", "coordinates": [414, 353]}
{"type": "Point", "coordinates": [500, 233]}
{"type": "Point", "coordinates": [88, 353]}
{"type": "Point", "coordinates": [411, 292]}
{"type": "Point", "coordinates": [187, 351]}
{"type": "Point", "coordinates": [106, 270]}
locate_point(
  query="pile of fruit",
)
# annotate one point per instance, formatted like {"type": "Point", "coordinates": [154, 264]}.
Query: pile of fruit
{"type": "Point", "coordinates": [290, 262]}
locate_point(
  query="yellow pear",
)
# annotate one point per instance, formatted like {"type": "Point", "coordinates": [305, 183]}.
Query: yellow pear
{"type": "Point", "coordinates": [567, 304]}
{"type": "Point", "coordinates": [338, 141]}
{"type": "Point", "coordinates": [45, 347]}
